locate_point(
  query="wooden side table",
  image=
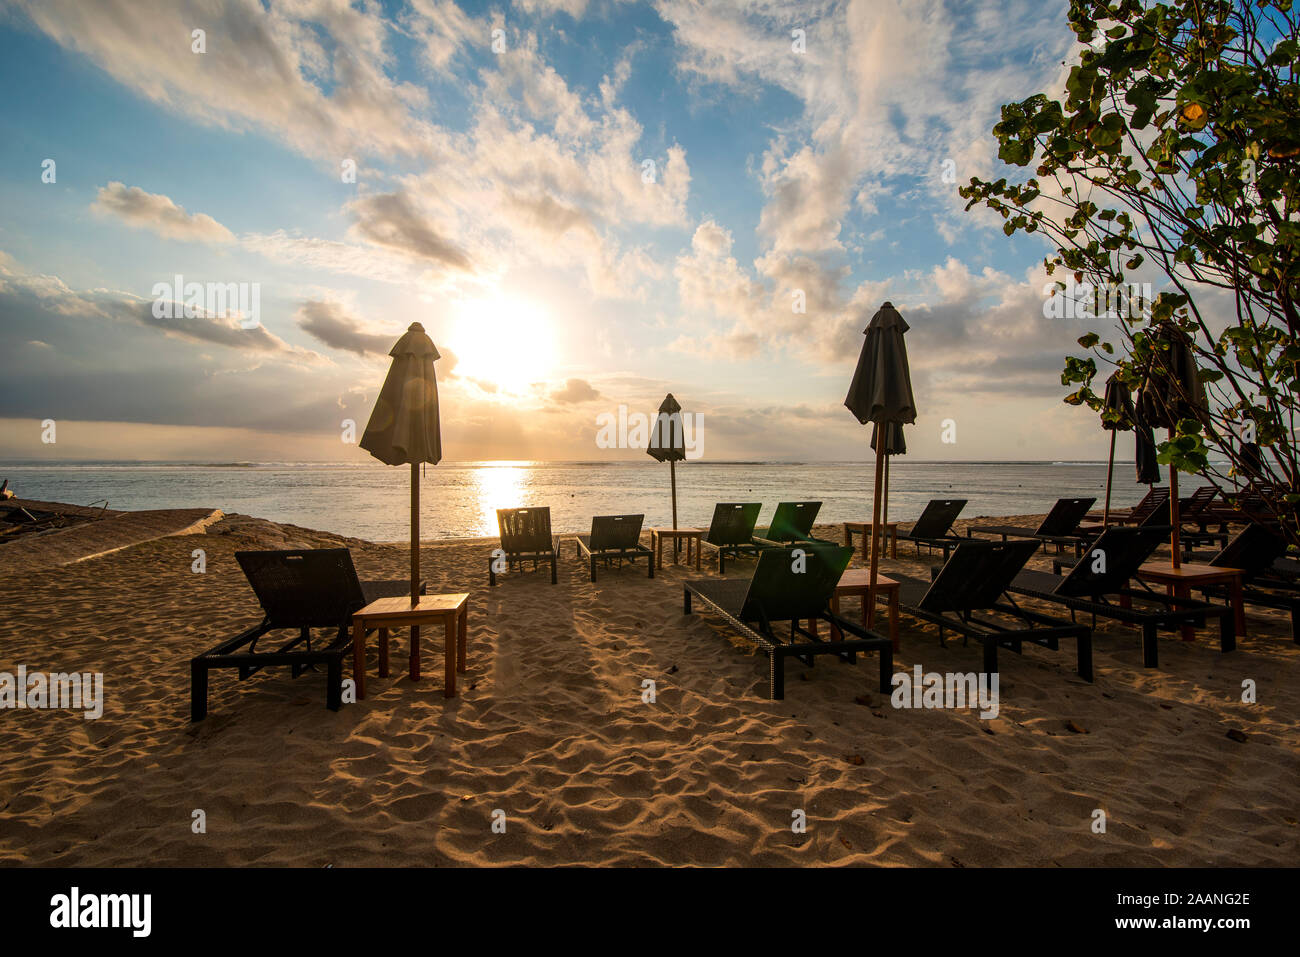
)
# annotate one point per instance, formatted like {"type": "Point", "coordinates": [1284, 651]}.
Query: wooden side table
{"type": "Point", "coordinates": [386, 613]}
{"type": "Point", "coordinates": [856, 582]}
{"type": "Point", "coordinates": [864, 529]}
{"type": "Point", "coordinates": [692, 536]}
{"type": "Point", "coordinates": [1180, 581]}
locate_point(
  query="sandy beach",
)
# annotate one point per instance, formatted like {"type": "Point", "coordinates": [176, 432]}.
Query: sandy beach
{"type": "Point", "coordinates": [550, 728]}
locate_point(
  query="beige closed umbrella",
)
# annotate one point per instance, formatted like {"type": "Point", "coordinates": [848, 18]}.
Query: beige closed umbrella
{"type": "Point", "coordinates": [881, 392]}
{"type": "Point", "coordinates": [668, 444]}
{"type": "Point", "coordinates": [403, 427]}
{"type": "Point", "coordinates": [1171, 390]}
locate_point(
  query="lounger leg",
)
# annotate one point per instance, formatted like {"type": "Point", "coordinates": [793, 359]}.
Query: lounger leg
{"type": "Point", "coordinates": [492, 575]}
{"type": "Point", "coordinates": [1150, 646]}
{"type": "Point", "coordinates": [991, 656]}
{"type": "Point", "coordinates": [1228, 632]}
{"type": "Point", "coordinates": [686, 601]}
{"type": "Point", "coordinates": [651, 563]}
{"type": "Point", "coordinates": [593, 567]}
{"type": "Point", "coordinates": [199, 689]}
{"type": "Point", "coordinates": [1084, 643]}
{"type": "Point", "coordinates": [555, 568]}
{"type": "Point", "coordinates": [776, 678]}
{"type": "Point", "coordinates": [334, 683]}
{"type": "Point", "coordinates": [722, 561]}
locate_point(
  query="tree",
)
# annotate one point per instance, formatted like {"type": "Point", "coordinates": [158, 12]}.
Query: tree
{"type": "Point", "coordinates": [1175, 152]}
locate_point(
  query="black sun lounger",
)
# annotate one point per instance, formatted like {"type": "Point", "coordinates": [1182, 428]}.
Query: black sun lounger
{"type": "Point", "coordinates": [1099, 584]}
{"type": "Point", "coordinates": [934, 526]}
{"type": "Point", "coordinates": [1256, 550]}
{"type": "Point", "coordinates": [1059, 526]}
{"type": "Point", "coordinates": [732, 529]}
{"type": "Point", "coordinates": [975, 580]}
{"type": "Point", "coordinates": [792, 522]}
{"type": "Point", "coordinates": [615, 537]}
{"type": "Point", "coordinates": [525, 536]}
{"type": "Point", "coordinates": [785, 591]}
{"type": "Point", "coordinates": [299, 591]}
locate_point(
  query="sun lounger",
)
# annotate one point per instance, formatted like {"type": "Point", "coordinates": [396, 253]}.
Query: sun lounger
{"type": "Point", "coordinates": [1059, 526]}
{"type": "Point", "coordinates": [780, 593]}
{"type": "Point", "coordinates": [615, 537]}
{"type": "Point", "coordinates": [1256, 550]}
{"type": "Point", "coordinates": [792, 522]}
{"type": "Point", "coordinates": [732, 530]}
{"type": "Point", "coordinates": [525, 536]}
{"type": "Point", "coordinates": [933, 528]}
{"type": "Point", "coordinates": [1099, 584]}
{"type": "Point", "coordinates": [299, 591]}
{"type": "Point", "coordinates": [1157, 516]}
{"type": "Point", "coordinates": [971, 586]}
{"type": "Point", "coordinates": [1154, 497]}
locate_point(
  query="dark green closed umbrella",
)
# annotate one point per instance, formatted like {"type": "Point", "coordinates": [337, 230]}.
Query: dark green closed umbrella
{"type": "Point", "coordinates": [1171, 390]}
{"type": "Point", "coordinates": [403, 426]}
{"type": "Point", "coordinates": [881, 392]}
{"type": "Point", "coordinates": [668, 444]}
{"type": "Point", "coordinates": [1116, 416]}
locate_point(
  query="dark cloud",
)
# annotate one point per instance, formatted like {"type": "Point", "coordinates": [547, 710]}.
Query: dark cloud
{"type": "Point", "coordinates": [391, 220]}
{"type": "Point", "coordinates": [329, 324]}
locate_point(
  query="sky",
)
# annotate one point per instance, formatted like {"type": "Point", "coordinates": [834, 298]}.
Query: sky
{"type": "Point", "coordinates": [586, 203]}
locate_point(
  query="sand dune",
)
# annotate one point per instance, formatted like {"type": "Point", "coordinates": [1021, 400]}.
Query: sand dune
{"type": "Point", "coordinates": [551, 729]}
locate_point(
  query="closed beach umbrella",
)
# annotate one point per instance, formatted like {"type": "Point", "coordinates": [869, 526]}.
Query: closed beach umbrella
{"type": "Point", "coordinates": [668, 444]}
{"type": "Point", "coordinates": [1116, 415]}
{"type": "Point", "coordinates": [881, 392]}
{"type": "Point", "coordinates": [403, 427]}
{"type": "Point", "coordinates": [1171, 390]}
{"type": "Point", "coordinates": [1144, 449]}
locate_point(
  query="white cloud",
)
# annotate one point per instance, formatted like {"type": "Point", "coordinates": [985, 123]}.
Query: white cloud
{"type": "Point", "coordinates": [158, 213]}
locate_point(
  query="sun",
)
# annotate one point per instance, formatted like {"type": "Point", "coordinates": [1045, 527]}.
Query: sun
{"type": "Point", "coordinates": [501, 342]}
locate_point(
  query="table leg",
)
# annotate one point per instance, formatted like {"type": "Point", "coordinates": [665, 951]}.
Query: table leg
{"type": "Point", "coordinates": [359, 656]}
{"type": "Point", "coordinates": [449, 689]}
{"type": "Point", "coordinates": [462, 638]}
{"type": "Point", "coordinates": [836, 635]}
{"type": "Point", "coordinates": [1189, 632]}
{"type": "Point", "coordinates": [1238, 606]}
{"type": "Point", "coordinates": [383, 652]}
{"type": "Point", "coordinates": [414, 666]}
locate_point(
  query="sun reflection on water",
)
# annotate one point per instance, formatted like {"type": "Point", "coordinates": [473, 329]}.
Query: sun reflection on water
{"type": "Point", "coordinates": [500, 485]}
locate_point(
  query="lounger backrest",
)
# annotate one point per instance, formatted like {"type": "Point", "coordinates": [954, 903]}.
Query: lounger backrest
{"type": "Point", "coordinates": [615, 532]}
{"type": "Point", "coordinates": [1158, 516]}
{"type": "Point", "coordinates": [937, 518]}
{"type": "Point", "coordinates": [1065, 516]}
{"type": "Point", "coordinates": [733, 523]}
{"type": "Point", "coordinates": [524, 530]}
{"type": "Point", "coordinates": [1254, 549]}
{"type": "Point", "coordinates": [793, 520]}
{"type": "Point", "coordinates": [1154, 502]}
{"type": "Point", "coordinates": [1200, 500]}
{"type": "Point", "coordinates": [1122, 551]}
{"type": "Point", "coordinates": [976, 575]}
{"type": "Point", "coordinates": [309, 588]}
{"type": "Point", "coordinates": [794, 583]}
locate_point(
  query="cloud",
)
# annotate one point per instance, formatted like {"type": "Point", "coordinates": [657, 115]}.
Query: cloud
{"type": "Point", "coordinates": [393, 221]}
{"type": "Point", "coordinates": [329, 324]}
{"type": "Point", "coordinates": [158, 213]}
{"type": "Point", "coordinates": [575, 391]}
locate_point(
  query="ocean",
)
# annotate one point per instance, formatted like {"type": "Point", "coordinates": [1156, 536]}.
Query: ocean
{"type": "Point", "coordinates": [458, 500]}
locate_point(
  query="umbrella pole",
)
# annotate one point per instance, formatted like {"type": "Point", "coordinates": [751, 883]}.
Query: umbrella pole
{"type": "Point", "coordinates": [1110, 470]}
{"type": "Point", "coordinates": [415, 532]}
{"type": "Point", "coordinates": [672, 471]}
{"type": "Point", "coordinates": [1174, 543]}
{"type": "Point", "coordinates": [875, 535]}
{"type": "Point", "coordinates": [884, 505]}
